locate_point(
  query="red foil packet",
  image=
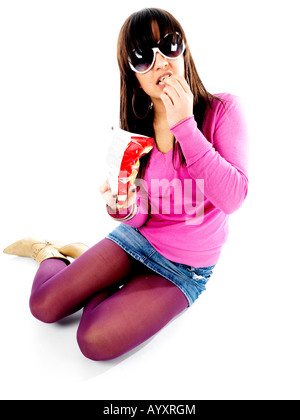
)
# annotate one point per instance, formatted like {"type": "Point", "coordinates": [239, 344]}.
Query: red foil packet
{"type": "Point", "coordinates": [123, 160]}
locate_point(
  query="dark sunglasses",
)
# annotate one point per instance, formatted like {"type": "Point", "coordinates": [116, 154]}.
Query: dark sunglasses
{"type": "Point", "coordinates": [171, 46]}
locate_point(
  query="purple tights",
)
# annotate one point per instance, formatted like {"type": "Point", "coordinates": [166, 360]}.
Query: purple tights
{"type": "Point", "coordinates": [115, 319]}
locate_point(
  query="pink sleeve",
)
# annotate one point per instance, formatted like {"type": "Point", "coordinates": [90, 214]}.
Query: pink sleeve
{"type": "Point", "coordinates": [223, 165]}
{"type": "Point", "coordinates": [139, 219]}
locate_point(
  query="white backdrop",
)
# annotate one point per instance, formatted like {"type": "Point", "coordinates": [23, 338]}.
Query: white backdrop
{"type": "Point", "coordinates": [59, 92]}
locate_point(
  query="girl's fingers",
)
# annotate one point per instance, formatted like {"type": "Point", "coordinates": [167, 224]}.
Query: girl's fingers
{"type": "Point", "coordinates": [178, 83]}
{"type": "Point", "coordinates": [103, 188]}
{"type": "Point", "coordinates": [131, 197]}
{"type": "Point", "coordinates": [173, 87]}
{"type": "Point", "coordinates": [182, 82]}
{"type": "Point", "coordinates": [111, 197]}
{"type": "Point", "coordinates": [167, 101]}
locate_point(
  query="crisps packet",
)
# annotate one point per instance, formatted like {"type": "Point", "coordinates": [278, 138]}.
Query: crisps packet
{"type": "Point", "coordinates": [123, 162]}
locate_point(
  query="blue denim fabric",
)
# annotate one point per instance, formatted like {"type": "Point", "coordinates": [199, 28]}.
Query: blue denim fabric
{"type": "Point", "coordinates": [190, 280]}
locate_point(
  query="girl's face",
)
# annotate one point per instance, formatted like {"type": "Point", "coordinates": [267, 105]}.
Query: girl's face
{"type": "Point", "coordinates": [150, 81]}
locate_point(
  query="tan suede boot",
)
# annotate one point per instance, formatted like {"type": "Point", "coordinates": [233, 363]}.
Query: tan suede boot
{"type": "Point", "coordinates": [73, 250]}
{"type": "Point", "coordinates": [37, 249]}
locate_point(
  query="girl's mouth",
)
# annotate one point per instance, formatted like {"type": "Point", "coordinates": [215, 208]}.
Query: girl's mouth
{"type": "Point", "coordinates": [162, 78]}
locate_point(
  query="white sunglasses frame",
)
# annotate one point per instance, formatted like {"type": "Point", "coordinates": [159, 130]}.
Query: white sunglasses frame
{"type": "Point", "coordinates": [155, 50]}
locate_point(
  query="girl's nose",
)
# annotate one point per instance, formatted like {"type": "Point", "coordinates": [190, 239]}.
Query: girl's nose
{"type": "Point", "coordinates": [160, 61]}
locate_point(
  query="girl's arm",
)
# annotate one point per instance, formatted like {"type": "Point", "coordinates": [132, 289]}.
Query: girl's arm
{"type": "Point", "coordinates": [223, 164]}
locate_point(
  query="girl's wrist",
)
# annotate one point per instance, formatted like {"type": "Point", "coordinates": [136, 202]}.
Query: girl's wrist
{"type": "Point", "coordinates": [181, 122]}
{"type": "Point", "coordinates": [122, 215]}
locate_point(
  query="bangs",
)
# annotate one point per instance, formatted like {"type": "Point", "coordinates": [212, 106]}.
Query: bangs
{"type": "Point", "coordinates": [140, 29]}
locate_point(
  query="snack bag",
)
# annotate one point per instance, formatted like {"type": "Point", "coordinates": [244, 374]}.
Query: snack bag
{"type": "Point", "coordinates": [123, 162]}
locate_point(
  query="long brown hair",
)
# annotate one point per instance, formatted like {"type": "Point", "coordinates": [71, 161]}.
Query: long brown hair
{"type": "Point", "coordinates": [135, 32]}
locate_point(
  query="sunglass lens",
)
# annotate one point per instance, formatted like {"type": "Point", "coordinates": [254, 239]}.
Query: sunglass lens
{"type": "Point", "coordinates": [141, 59]}
{"type": "Point", "coordinates": [172, 45]}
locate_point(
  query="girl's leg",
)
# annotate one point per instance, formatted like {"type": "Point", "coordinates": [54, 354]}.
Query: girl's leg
{"type": "Point", "coordinates": [113, 326]}
{"type": "Point", "coordinates": [59, 290]}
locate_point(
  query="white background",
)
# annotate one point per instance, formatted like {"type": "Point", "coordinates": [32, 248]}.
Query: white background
{"type": "Point", "coordinates": [59, 96]}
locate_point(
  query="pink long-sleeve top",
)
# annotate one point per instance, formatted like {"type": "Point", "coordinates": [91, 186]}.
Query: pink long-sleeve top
{"type": "Point", "coordinates": [183, 211]}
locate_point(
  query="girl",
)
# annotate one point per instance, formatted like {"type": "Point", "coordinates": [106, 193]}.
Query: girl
{"type": "Point", "coordinates": [161, 254]}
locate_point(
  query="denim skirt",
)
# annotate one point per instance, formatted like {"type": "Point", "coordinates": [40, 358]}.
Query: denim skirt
{"type": "Point", "coordinates": [190, 280]}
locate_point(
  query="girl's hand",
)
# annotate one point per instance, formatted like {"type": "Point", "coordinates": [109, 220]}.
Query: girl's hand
{"type": "Point", "coordinates": [178, 99]}
{"type": "Point", "coordinates": [111, 197]}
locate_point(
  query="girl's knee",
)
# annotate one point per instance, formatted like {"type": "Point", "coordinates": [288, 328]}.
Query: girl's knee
{"type": "Point", "coordinates": [42, 309]}
{"type": "Point", "coordinates": [96, 344]}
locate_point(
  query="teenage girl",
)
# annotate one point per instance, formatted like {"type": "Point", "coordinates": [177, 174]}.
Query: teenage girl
{"type": "Point", "coordinates": [166, 243]}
